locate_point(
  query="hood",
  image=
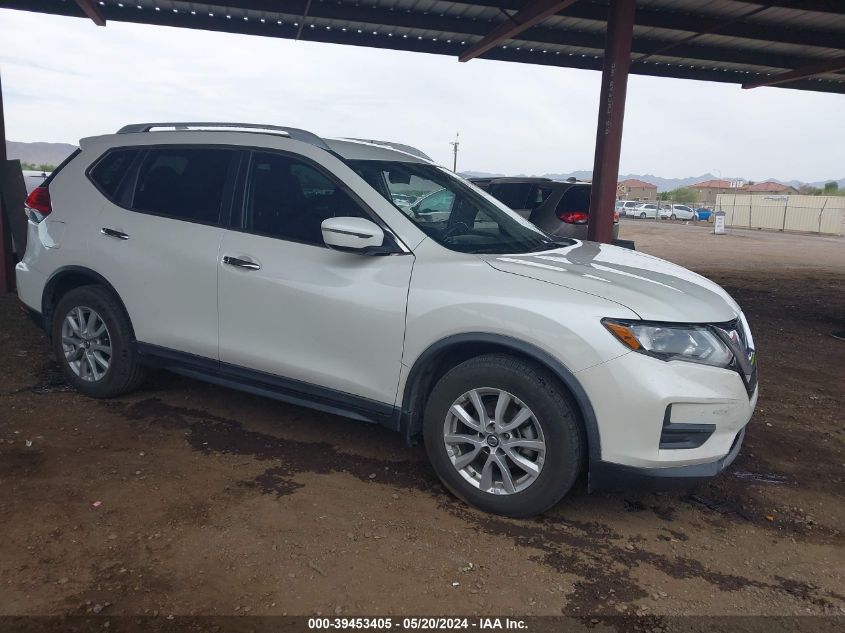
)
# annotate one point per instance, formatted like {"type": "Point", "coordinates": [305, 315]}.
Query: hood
{"type": "Point", "coordinates": [655, 289]}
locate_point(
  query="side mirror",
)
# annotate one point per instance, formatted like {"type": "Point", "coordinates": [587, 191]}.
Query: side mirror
{"type": "Point", "coordinates": [353, 234]}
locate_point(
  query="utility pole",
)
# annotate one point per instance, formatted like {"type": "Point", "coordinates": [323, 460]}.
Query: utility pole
{"type": "Point", "coordinates": [454, 145]}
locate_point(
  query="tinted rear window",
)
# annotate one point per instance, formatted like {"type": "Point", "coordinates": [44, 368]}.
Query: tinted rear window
{"type": "Point", "coordinates": [515, 195]}
{"type": "Point", "coordinates": [183, 183]}
{"type": "Point", "coordinates": [110, 170]}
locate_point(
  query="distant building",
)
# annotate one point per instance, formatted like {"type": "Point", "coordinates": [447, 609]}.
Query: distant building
{"type": "Point", "coordinates": [770, 187]}
{"type": "Point", "coordinates": [633, 189]}
{"type": "Point", "coordinates": [707, 190]}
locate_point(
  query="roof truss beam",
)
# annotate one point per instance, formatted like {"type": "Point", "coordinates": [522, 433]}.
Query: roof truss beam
{"type": "Point", "coordinates": [697, 22]}
{"type": "Point", "coordinates": [530, 14]}
{"type": "Point", "coordinates": [827, 66]}
{"type": "Point", "coordinates": [92, 11]}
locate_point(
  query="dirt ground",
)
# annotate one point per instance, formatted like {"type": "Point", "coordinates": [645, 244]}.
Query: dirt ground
{"type": "Point", "coordinates": [184, 498]}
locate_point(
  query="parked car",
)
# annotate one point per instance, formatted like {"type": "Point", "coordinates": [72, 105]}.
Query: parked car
{"type": "Point", "coordinates": [644, 210]}
{"type": "Point", "coordinates": [624, 207]}
{"type": "Point", "coordinates": [403, 200]}
{"type": "Point", "coordinates": [278, 263]}
{"type": "Point", "coordinates": [33, 179]}
{"type": "Point", "coordinates": [677, 212]}
{"type": "Point", "coordinates": [703, 214]}
{"type": "Point", "coordinates": [559, 208]}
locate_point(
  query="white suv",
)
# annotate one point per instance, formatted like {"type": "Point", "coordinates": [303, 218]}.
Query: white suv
{"type": "Point", "coordinates": [677, 212]}
{"type": "Point", "coordinates": [277, 262]}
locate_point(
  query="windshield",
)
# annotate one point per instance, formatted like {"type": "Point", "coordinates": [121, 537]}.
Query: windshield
{"type": "Point", "coordinates": [452, 211]}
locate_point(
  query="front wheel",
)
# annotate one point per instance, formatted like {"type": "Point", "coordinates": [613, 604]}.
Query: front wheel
{"type": "Point", "coordinates": [92, 338]}
{"type": "Point", "coordinates": [503, 435]}
{"type": "Point", "coordinates": [642, 215]}
{"type": "Point", "coordinates": [673, 217]}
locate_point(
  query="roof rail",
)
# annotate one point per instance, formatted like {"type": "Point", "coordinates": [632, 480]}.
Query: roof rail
{"type": "Point", "coordinates": [413, 151]}
{"type": "Point", "coordinates": [291, 132]}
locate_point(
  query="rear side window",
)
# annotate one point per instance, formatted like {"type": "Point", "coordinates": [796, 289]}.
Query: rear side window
{"type": "Point", "coordinates": [538, 196]}
{"type": "Point", "coordinates": [111, 169]}
{"type": "Point", "coordinates": [183, 183]}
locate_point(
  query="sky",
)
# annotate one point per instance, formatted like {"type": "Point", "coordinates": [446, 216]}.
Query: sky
{"type": "Point", "coordinates": [65, 78]}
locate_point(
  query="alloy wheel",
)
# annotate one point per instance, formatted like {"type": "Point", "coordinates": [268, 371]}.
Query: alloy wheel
{"type": "Point", "coordinates": [494, 441]}
{"type": "Point", "coordinates": [86, 343]}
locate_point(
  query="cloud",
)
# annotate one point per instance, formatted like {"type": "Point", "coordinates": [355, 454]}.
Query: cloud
{"type": "Point", "coordinates": [75, 80]}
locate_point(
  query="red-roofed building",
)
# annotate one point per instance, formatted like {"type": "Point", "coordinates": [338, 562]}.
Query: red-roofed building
{"type": "Point", "coordinates": [770, 187]}
{"type": "Point", "coordinates": [634, 189]}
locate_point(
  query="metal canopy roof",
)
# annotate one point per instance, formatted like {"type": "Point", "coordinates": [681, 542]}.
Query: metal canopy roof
{"type": "Point", "coordinates": [743, 42]}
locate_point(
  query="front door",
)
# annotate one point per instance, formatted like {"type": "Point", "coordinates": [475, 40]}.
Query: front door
{"type": "Point", "coordinates": [291, 307]}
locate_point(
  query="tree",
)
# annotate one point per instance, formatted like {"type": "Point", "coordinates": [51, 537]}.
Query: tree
{"type": "Point", "coordinates": [831, 188]}
{"type": "Point", "coordinates": [33, 167]}
{"type": "Point", "coordinates": [683, 195]}
{"type": "Point", "coordinates": [664, 195]}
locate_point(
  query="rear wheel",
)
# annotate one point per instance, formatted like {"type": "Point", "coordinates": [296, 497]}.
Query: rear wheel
{"type": "Point", "coordinates": [92, 338]}
{"type": "Point", "coordinates": [503, 435]}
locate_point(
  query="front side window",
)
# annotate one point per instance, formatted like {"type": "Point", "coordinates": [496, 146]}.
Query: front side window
{"type": "Point", "coordinates": [289, 199]}
{"type": "Point", "coordinates": [183, 183]}
{"type": "Point", "coordinates": [451, 211]}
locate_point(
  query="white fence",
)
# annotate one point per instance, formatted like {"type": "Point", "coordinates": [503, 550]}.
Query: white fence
{"type": "Point", "coordinates": [809, 214]}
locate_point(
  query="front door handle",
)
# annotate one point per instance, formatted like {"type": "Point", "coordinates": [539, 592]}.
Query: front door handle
{"type": "Point", "coordinates": [115, 234]}
{"type": "Point", "coordinates": [240, 263]}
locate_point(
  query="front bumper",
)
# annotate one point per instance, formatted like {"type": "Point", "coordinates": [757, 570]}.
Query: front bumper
{"type": "Point", "coordinates": [609, 476]}
{"type": "Point", "coordinates": [645, 406]}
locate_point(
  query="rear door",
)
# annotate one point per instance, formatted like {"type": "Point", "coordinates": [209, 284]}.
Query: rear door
{"type": "Point", "coordinates": [158, 239]}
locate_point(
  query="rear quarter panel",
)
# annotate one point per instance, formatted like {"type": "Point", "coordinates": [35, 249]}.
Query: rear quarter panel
{"type": "Point", "coordinates": [63, 238]}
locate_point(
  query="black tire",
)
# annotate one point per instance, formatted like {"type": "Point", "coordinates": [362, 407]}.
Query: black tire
{"type": "Point", "coordinates": [642, 215]}
{"type": "Point", "coordinates": [673, 217]}
{"type": "Point", "coordinates": [124, 373]}
{"type": "Point", "coordinates": [553, 410]}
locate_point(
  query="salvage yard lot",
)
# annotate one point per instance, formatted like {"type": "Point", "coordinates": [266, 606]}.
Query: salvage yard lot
{"type": "Point", "coordinates": [184, 498]}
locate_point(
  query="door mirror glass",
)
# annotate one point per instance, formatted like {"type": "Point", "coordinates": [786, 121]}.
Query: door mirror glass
{"type": "Point", "coordinates": [353, 234]}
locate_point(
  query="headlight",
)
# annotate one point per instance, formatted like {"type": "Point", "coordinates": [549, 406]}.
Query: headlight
{"type": "Point", "coordinates": [692, 343]}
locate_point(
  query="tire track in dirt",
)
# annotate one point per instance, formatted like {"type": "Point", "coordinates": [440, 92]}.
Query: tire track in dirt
{"type": "Point", "coordinates": [591, 550]}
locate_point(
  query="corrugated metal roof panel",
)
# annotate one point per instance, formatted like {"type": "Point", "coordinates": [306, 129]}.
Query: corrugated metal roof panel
{"type": "Point", "coordinates": [714, 40]}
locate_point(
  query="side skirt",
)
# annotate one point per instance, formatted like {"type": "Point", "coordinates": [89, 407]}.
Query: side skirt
{"type": "Point", "coordinates": [269, 385]}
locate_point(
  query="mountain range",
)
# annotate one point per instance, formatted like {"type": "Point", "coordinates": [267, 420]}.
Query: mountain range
{"type": "Point", "coordinates": [55, 153]}
{"type": "Point", "coordinates": [39, 153]}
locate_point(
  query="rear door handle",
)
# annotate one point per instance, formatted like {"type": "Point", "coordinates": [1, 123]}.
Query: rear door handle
{"type": "Point", "coordinates": [240, 263]}
{"type": "Point", "coordinates": [112, 233]}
